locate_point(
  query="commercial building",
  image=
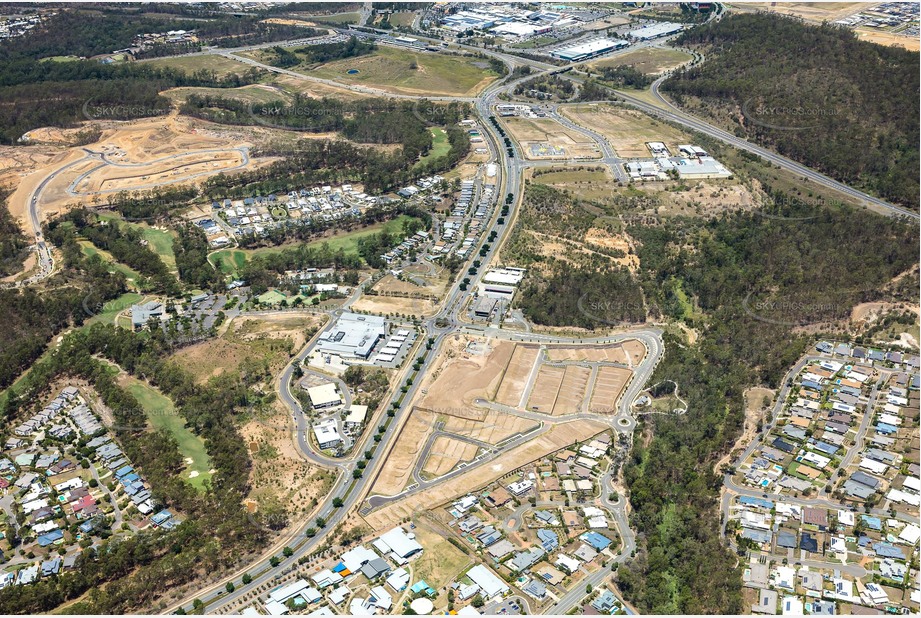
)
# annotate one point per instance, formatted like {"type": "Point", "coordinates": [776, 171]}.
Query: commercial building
{"type": "Point", "coordinates": [141, 314]}
{"type": "Point", "coordinates": [591, 49]}
{"type": "Point", "coordinates": [327, 434]}
{"type": "Point", "coordinates": [353, 336]}
{"type": "Point", "coordinates": [500, 283]}
{"type": "Point", "coordinates": [654, 31]}
{"type": "Point", "coordinates": [397, 543]}
{"type": "Point", "coordinates": [324, 396]}
{"type": "Point", "coordinates": [484, 306]}
{"type": "Point", "coordinates": [487, 582]}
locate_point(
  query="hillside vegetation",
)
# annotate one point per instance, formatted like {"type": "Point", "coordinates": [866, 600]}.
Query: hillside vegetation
{"type": "Point", "coordinates": [816, 94]}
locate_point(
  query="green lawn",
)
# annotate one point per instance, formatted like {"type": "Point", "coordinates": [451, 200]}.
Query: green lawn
{"type": "Point", "coordinates": [231, 261]}
{"type": "Point", "coordinates": [159, 241]}
{"type": "Point", "coordinates": [348, 242]}
{"type": "Point", "coordinates": [409, 72]}
{"type": "Point", "coordinates": [113, 307]}
{"type": "Point", "coordinates": [440, 146]}
{"type": "Point", "coordinates": [89, 250]}
{"type": "Point", "coordinates": [162, 415]}
{"type": "Point", "coordinates": [190, 64]}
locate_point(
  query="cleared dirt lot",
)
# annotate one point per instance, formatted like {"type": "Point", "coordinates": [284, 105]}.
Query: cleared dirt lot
{"type": "Point", "coordinates": [397, 470]}
{"type": "Point", "coordinates": [446, 453]}
{"type": "Point", "coordinates": [651, 61]}
{"type": "Point", "coordinates": [462, 377]}
{"type": "Point", "coordinates": [171, 139]}
{"type": "Point", "coordinates": [810, 11]}
{"type": "Point", "coordinates": [548, 132]}
{"type": "Point", "coordinates": [546, 387]}
{"type": "Point", "coordinates": [385, 305]}
{"type": "Point", "coordinates": [626, 130]}
{"type": "Point", "coordinates": [889, 38]}
{"type": "Point", "coordinates": [491, 427]}
{"type": "Point", "coordinates": [615, 354]}
{"type": "Point", "coordinates": [516, 375]}
{"type": "Point", "coordinates": [572, 390]}
{"type": "Point", "coordinates": [636, 351]}
{"type": "Point", "coordinates": [609, 385]}
{"type": "Point", "coordinates": [556, 438]}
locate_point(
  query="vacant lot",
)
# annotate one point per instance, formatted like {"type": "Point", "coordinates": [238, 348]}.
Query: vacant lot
{"type": "Point", "coordinates": [397, 470]}
{"type": "Point", "coordinates": [549, 441]}
{"type": "Point", "coordinates": [492, 426]}
{"type": "Point", "coordinates": [512, 389]}
{"type": "Point", "coordinates": [396, 305]}
{"type": "Point", "coordinates": [651, 60]}
{"type": "Point", "coordinates": [190, 64]}
{"type": "Point", "coordinates": [546, 387]}
{"type": "Point", "coordinates": [609, 385]}
{"type": "Point", "coordinates": [911, 43]}
{"type": "Point", "coordinates": [446, 453]}
{"type": "Point", "coordinates": [548, 133]}
{"type": "Point", "coordinates": [636, 351]}
{"type": "Point", "coordinates": [407, 72]}
{"type": "Point", "coordinates": [595, 183]}
{"type": "Point", "coordinates": [810, 11]}
{"type": "Point", "coordinates": [282, 482]}
{"type": "Point", "coordinates": [614, 353]}
{"type": "Point", "coordinates": [572, 390]}
{"type": "Point", "coordinates": [441, 562]}
{"type": "Point", "coordinates": [461, 377]}
{"type": "Point", "coordinates": [626, 130]}
{"type": "Point", "coordinates": [162, 415]}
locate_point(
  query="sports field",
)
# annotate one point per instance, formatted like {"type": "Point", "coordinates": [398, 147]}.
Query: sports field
{"type": "Point", "coordinates": [162, 415]}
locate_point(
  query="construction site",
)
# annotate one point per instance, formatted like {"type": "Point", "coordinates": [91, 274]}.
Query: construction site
{"type": "Point", "coordinates": [499, 403]}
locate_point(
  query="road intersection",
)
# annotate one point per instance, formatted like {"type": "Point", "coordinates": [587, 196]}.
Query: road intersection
{"type": "Point", "coordinates": [352, 492]}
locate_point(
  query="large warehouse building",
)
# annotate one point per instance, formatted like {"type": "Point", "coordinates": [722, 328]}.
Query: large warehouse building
{"type": "Point", "coordinates": [654, 31]}
{"type": "Point", "coordinates": [353, 336]}
{"type": "Point", "coordinates": [584, 51]}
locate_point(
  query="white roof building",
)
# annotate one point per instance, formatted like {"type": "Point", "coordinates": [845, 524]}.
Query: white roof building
{"type": "Point", "coordinates": [324, 396]}
{"type": "Point", "coordinates": [356, 415]}
{"type": "Point", "coordinates": [398, 542]}
{"type": "Point", "coordinates": [354, 558]}
{"type": "Point", "coordinates": [910, 534]}
{"type": "Point", "coordinates": [567, 563]}
{"type": "Point", "coordinates": [490, 585]}
{"type": "Point", "coordinates": [327, 433]}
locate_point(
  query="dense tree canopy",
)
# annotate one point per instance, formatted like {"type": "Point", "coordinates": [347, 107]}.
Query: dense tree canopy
{"type": "Point", "coordinates": [815, 93]}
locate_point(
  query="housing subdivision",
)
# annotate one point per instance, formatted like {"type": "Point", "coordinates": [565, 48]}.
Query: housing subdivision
{"type": "Point", "coordinates": [67, 484]}
{"type": "Point", "coordinates": [826, 501]}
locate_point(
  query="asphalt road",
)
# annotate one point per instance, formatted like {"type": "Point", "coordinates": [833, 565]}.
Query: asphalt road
{"type": "Point", "coordinates": [449, 321]}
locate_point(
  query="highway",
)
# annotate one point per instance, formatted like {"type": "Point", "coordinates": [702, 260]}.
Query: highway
{"type": "Point", "coordinates": [353, 493]}
{"type": "Point", "coordinates": [445, 323]}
